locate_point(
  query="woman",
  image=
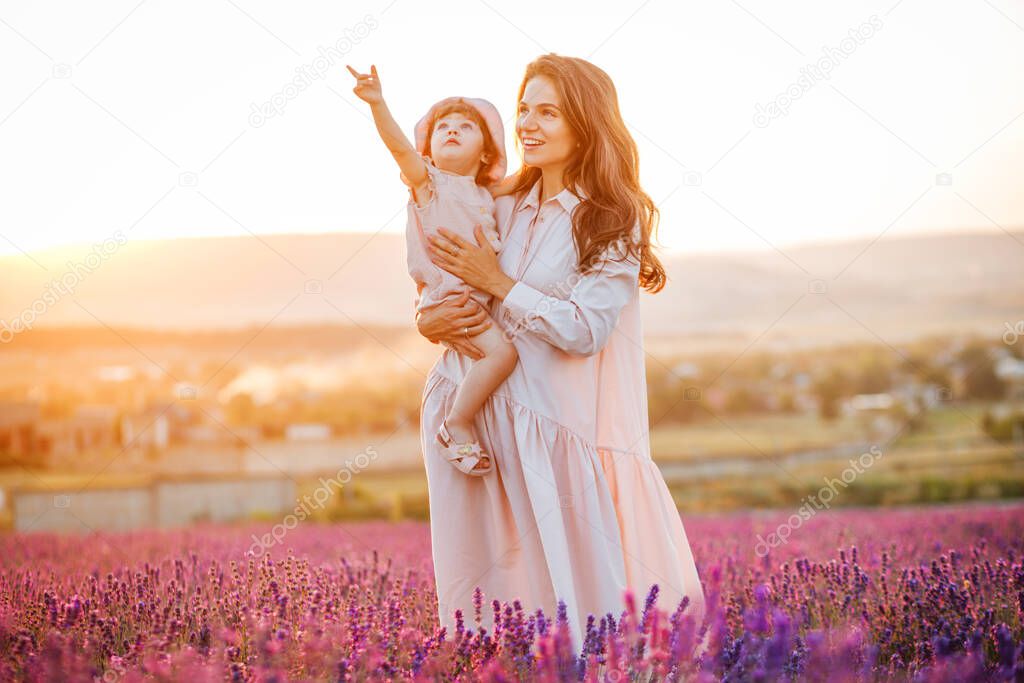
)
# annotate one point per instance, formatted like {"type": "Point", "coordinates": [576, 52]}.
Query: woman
{"type": "Point", "coordinates": [576, 509]}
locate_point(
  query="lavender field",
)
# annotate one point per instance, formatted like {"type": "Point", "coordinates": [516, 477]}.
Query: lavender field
{"type": "Point", "coordinates": [922, 594]}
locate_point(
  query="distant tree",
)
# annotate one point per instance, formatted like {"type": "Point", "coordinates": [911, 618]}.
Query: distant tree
{"type": "Point", "coordinates": [241, 409]}
{"type": "Point", "coordinates": [829, 390]}
{"type": "Point", "coordinates": [980, 380]}
{"type": "Point", "coordinates": [741, 400]}
{"type": "Point", "coordinates": [937, 376]}
{"type": "Point", "coordinates": [873, 377]}
{"type": "Point", "coordinates": [671, 398]}
{"type": "Point", "coordinates": [925, 370]}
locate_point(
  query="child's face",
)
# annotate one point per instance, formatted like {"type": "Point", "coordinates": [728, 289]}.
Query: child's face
{"type": "Point", "coordinates": [457, 144]}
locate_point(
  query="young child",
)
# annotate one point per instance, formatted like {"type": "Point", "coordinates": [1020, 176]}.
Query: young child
{"type": "Point", "coordinates": [457, 166]}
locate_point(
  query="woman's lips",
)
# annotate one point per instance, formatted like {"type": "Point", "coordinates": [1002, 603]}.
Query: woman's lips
{"type": "Point", "coordinates": [532, 143]}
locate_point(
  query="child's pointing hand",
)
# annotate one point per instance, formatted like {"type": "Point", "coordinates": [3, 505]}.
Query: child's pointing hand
{"type": "Point", "coordinates": [367, 85]}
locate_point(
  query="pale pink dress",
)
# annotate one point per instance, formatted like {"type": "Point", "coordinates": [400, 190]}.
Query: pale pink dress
{"type": "Point", "coordinates": [576, 509]}
{"type": "Point", "coordinates": [457, 204]}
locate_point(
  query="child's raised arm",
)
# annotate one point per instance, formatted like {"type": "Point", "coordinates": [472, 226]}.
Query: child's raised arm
{"type": "Point", "coordinates": [368, 89]}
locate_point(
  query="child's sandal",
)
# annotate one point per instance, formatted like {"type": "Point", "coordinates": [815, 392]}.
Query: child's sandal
{"type": "Point", "coordinates": [463, 456]}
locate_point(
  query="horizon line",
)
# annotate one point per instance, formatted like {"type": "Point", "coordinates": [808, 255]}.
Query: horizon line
{"type": "Point", "coordinates": [670, 251]}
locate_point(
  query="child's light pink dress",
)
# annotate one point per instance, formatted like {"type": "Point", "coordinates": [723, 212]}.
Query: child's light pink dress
{"type": "Point", "coordinates": [456, 204]}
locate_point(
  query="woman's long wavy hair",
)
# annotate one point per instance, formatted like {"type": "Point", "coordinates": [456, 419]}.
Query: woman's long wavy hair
{"type": "Point", "coordinates": [606, 167]}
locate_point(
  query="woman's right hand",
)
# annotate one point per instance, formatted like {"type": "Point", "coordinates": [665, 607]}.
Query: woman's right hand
{"type": "Point", "coordinates": [447, 322]}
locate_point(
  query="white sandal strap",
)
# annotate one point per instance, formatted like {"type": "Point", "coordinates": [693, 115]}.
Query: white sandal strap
{"type": "Point", "coordinates": [471, 450]}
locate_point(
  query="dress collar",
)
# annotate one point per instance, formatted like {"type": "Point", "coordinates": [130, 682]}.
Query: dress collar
{"type": "Point", "coordinates": [565, 198]}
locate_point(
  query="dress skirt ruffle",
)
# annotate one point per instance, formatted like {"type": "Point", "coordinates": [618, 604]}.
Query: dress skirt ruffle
{"type": "Point", "coordinates": [559, 519]}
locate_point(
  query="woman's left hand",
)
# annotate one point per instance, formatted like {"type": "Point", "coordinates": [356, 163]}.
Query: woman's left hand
{"type": "Point", "coordinates": [476, 264]}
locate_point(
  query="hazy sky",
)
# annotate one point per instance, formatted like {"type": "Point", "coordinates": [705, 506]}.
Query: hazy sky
{"type": "Point", "coordinates": [138, 116]}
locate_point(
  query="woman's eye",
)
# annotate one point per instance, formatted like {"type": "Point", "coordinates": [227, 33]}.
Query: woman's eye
{"type": "Point", "coordinates": [466, 126]}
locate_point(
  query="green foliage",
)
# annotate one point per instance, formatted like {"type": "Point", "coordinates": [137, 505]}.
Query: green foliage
{"type": "Point", "coordinates": [867, 491]}
{"type": "Point", "coordinates": [1003, 428]}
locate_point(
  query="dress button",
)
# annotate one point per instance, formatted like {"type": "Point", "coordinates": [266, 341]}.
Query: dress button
{"type": "Point", "coordinates": [483, 210]}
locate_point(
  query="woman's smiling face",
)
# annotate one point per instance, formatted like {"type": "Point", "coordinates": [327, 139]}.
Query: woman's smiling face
{"type": "Point", "coordinates": [547, 138]}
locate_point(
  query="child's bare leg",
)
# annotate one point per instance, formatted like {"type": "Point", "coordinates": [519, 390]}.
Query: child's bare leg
{"type": "Point", "coordinates": [483, 378]}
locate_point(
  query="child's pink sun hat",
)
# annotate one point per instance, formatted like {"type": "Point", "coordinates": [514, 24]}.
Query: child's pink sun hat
{"type": "Point", "coordinates": [489, 113]}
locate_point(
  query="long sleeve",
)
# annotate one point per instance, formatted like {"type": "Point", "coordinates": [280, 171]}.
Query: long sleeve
{"type": "Point", "coordinates": [581, 324]}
